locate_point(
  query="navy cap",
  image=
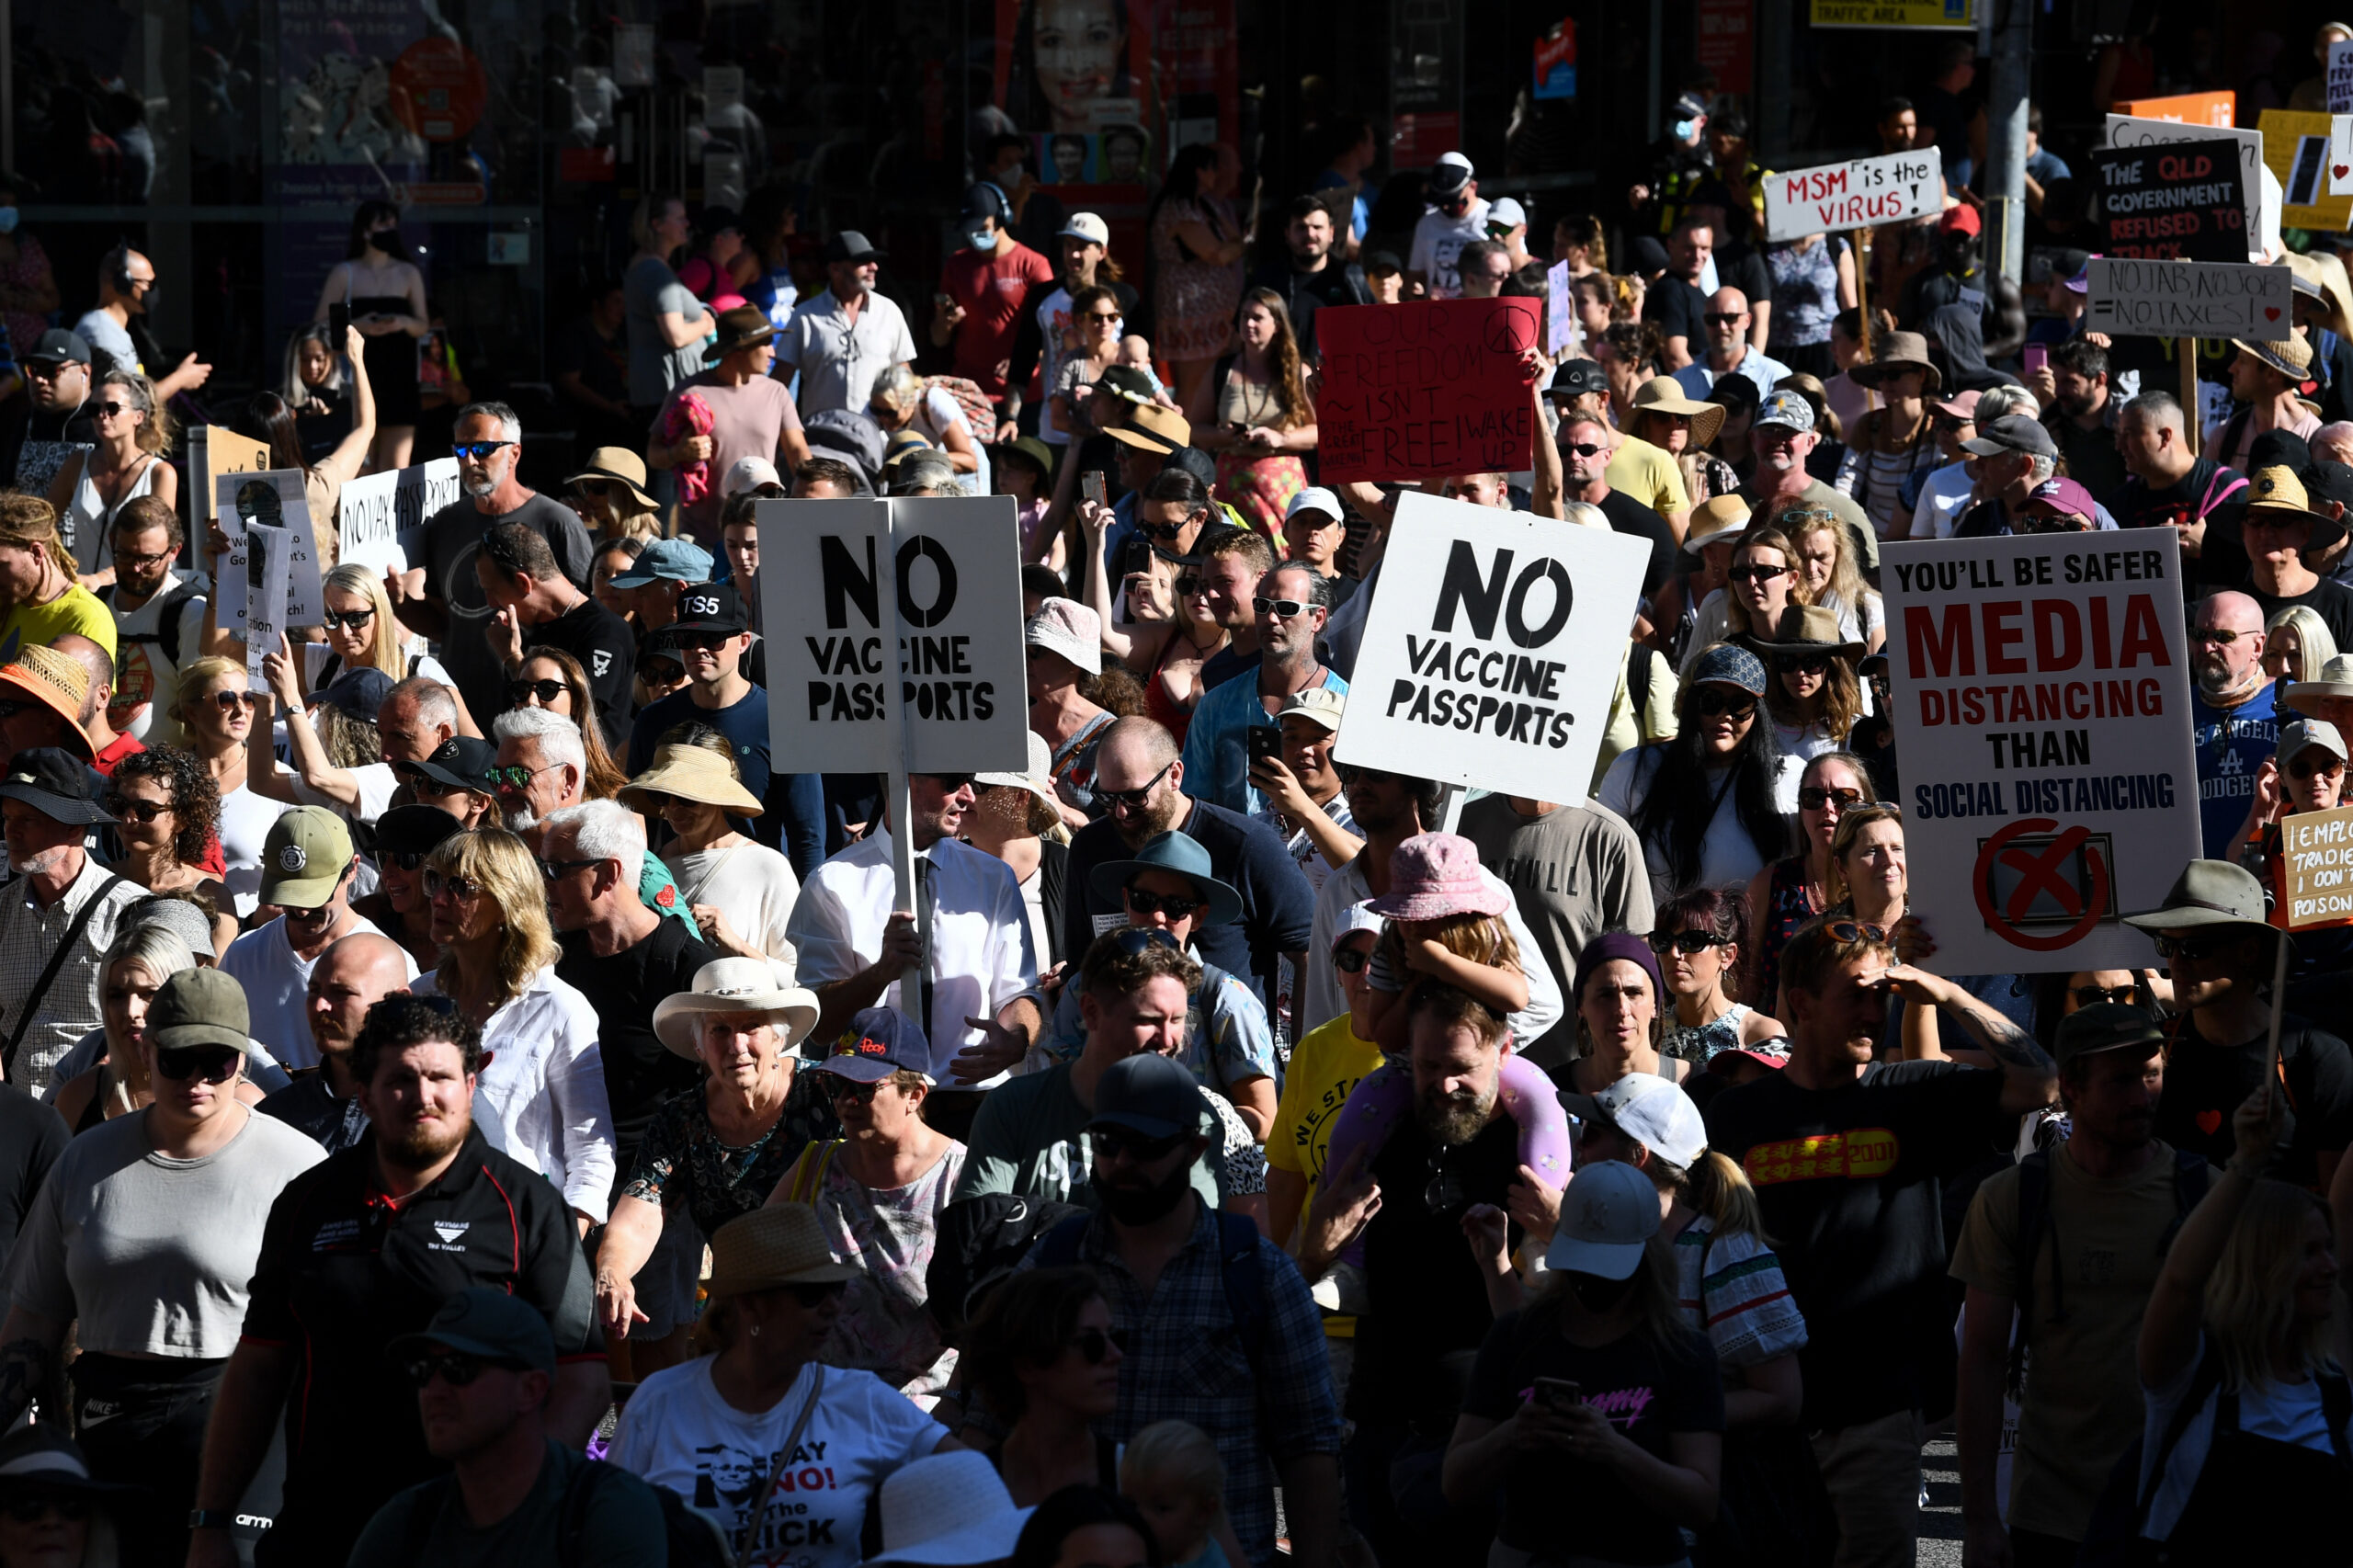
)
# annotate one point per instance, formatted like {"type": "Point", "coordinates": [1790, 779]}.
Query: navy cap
{"type": "Point", "coordinates": [983, 199]}
{"type": "Point", "coordinates": [709, 607]}
{"type": "Point", "coordinates": [1575, 378]}
{"type": "Point", "coordinates": [359, 691]}
{"type": "Point", "coordinates": [879, 1042]}
{"type": "Point", "coordinates": [480, 1320]}
{"type": "Point", "coordinates": [59, 346]}
{"type": "Point", "coordinates": [1148, 1093]}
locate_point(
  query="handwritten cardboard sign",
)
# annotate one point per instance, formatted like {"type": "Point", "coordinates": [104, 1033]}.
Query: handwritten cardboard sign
{"type": "Point", "coordinates": [2316, 868]}
{"type": "Point", "coordinates": [2179, 202]}
{"type": "Point", "coordinates": [1428, 388]}
{"type": "Point", "coordinates": [2189, 299]}
{"type": "Point", "coordinates": [2340, 78]}
{"type": "Point", "coordinates": [1889, 189]}
{"type": "Point", "coordinates": [1561, 334]}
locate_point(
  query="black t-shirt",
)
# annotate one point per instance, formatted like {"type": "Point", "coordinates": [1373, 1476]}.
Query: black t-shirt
{"type": "Point", "coordinates": [31, 1137]}
{"type": "Point", "coordinates": [1850, 1183]}
{"type": "Point", "coordinates": [1278, 906]}
{"type": "Point", "coordinates": [640, 1071]}
{"type": "Point", "coordinates": [2198, 492]}
{"type": "Point", "coordinates": [1226, 663]}
{"type": "Point", "coordinates": [2332, 601]}
{"type": "Point", "coordinates": [1678, 308]}
{"type": "Point", "coordinates": [1743, 270]}
{"type": "Point", "coordinates": [2206, 1084]}
{"type": "Point", "coordinates": [342, 1273]}
{"type": "Point", "coordinates": [1338, 283]}
{"type": "Point", "coordinates": [606, 649]}
{"type": "Point", "coordinates": [1429, 1305]}
{"type": "Point", "coordinates": [452, 539]}
{"type": "Point", "coordinates": [1648, 1391]}
{"type": "Point", "coordinates": [1629, 515]}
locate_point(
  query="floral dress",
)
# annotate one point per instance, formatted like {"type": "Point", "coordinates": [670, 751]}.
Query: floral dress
{"type": "Point", "coordinates": [682, 1160]}
{"type": "Point", "coordinates": [1194, 299]}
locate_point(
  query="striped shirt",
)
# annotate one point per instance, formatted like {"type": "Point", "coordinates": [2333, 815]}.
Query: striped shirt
{"type": "Point", "coordinates": [1732, 1290]}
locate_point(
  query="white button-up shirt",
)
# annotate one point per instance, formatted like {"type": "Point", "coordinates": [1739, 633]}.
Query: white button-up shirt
{"type": "Point", "coordinates": [981, 953]}
{"type": "Point", "coordinates": [838, 357]}
{"type": "Point", "coordinates": [543, 1098]}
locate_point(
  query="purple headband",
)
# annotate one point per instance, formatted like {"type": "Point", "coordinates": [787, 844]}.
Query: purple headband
{"type": "Point", "coordinates": [1617, 944]}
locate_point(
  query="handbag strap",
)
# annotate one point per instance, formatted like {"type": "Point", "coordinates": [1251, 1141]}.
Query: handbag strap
{"type": "Point", "coordinates": [40, 992]}
{"type": "Point", "coordinates": [783, 1463]}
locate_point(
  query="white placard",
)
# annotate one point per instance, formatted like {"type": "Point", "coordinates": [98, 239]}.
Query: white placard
{"type": "Point", "coordinates": [840, 580]}
{"type": "Point", "coordinates": [1493, 649]}
{"type": "Point", "coordinates": [374, 511]}
{"type": "Point", "coordinates": [2126, 130]}
{"type": "Point", "coordinates": [2340, 78]}
{"type": "Point", "coordinates": [2340, 154]}
{"type": "Point", "coordinates": [2189, 299]}
{"type": "Point", "coordinates": [268, 554]}
{"type": "Point", "coordinates": [2042, 698]}
{"type": "Point", "coordinates": [272, 498]}
{"type": "Point", "coordinates": [1562, 329]}
{"type": "Point", "coordinates": [1886, 190]}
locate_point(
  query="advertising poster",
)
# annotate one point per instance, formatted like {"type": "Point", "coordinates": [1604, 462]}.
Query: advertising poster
{"type": "Point", "coordinates": [1111, 87]}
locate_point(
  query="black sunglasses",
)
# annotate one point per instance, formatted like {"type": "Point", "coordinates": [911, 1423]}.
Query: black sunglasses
{"type": "Point", "coordinates": [1802, 664]}
{"type": "Point", "coordinates": [1755, 574]}
{"type": "Point", "coordinates": [702, 641]}
{"type": "Point", "coordinates": [142, 811]}
{"type": "Point", "coordinates": [840, 1088]}
{"type": "Point", "coordinates": [1814, 797]}
{"type": "Point", "coordinates": [1188, 585]}
{"type": "Point", "coordinates": [2196, 950]}
{"type": "Point", "coordinates": [1174, 906]}
{"type": "Point", "coordinates": [662, 672]}
{"type": "Point", "coordinates": [1855, 931]}
{"type": "Point", "coordinates": [1159, 531]}
{"type": "Point", "coordinates": [337, 619]}
{"type": "Point", "coordinates": [212, 1063]}
{"type": "Point", "coordinates": [952, 782]}
{"type": "Point", "coordinates": [1133, 800]}
{"type": "Point", "coordinates": [1351, 960]}
{"type": "Point", "coordinates": [407, 860]}
{"type": "Point", "coordinates": [1722, 318]}
{"type": "Point", "coordinates": [1711, 703]}
{"type": "Point", "coordinates": [521, 692]}
{"type": "Point", "coordinates": [1687, 942]}
{"type": "Point", "coordinates": [477, 450]}
{"type": "Point", "coordinates": [1584, 449]}
{"type": "Point", "coordinates": [453, 1367]}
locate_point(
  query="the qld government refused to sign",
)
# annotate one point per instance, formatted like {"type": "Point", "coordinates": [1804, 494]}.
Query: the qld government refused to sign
{"type": "Point", "coordinates": [1493, 649]}
{"type": "Point", "coordinates": [2189, 299]}
{"type": "Point", "coordinates": [2041, 702]}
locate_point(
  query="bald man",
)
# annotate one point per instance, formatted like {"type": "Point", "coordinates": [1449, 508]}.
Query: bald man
{"type": "Point", "coordinates": [350, 977]}
{"type": "Point", "coordinates": [126, 289]}
{"type": "Point", "coordinates": [109, 744]}
{"type": "Point", "coordinates": [1727, 321]}
{"type": "Point", "coordinates": [2231, 712]}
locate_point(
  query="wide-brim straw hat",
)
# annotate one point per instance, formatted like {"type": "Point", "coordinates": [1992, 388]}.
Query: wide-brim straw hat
{"type": "Point", "coordinates": [1808, 629]}
{"type": "Point", "coordinates": [2289, 357]}
{"type": "Point", "coordinates": [771, 1247]}
{"type": "Point", "coordinates": [735, 985]}
{"type": "Point", "coordinates": [621, 464]}
{"type": "Point", "coordinates": [2335, 679]}
{"type": "Point", "coordinates": [1663, 394]}
{"type": "Point", "coordinates": [1039, 779]}
{"type": "Point", "coordinates": [58, 683]}
{"type": "Point", "coordinates": [691, 773]}
{"type": "Point", "coordinates": [1900, 351]}
{"type": "Point", "coordinates": [1719, 518]}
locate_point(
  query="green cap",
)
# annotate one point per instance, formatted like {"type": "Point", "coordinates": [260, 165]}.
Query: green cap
{"type": "Point", "coordinates": [303, 858]}
{"type": "Point", "coordinates": [199, 1006]}
{"type": "Point", "coordinates": [2103, 1025]}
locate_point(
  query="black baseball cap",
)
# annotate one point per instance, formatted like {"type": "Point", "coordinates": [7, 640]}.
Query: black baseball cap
{"type": "Point", "coordinates": [1150, 1094]}
{"type": "Point", "coordinates": [418, 830]}
{"type": "Point", "coordinates": [709, 607]}
{"type": "Point", "coordinates": [2103, 1025]}
{"type": "Point", "coordinates": [983, 199]}
{"type": "Point", "coordinates": [59, 346]}
{"type": "Point", "coordinates": [461, 762]}
{"type": "Point", "coordinates": [1195, 462]}
{"type": "Point", "coordinates": [1575, 378]}
{"type": "Point", "coordinates": [55, 783]}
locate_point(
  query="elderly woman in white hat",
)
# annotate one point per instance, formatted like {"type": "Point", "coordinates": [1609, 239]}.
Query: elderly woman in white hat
{"type": "Point", "coordinates": [718, 1149]}
{"type": "Point", "coordinates": [1015, 817]}
{"type": "Point", "coordinates": [783, 1450]}
{"type": "Point", "coordinates": [1064, 642]}
{"type": "Point", "coordinates": [740, 892]}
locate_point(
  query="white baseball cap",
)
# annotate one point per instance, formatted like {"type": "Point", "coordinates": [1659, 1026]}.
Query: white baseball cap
{"type": "Point", "coordinates": [1608, 1213]}
{"type": "Point", "coordinates": [748, 474]}
{"type": "Point", "coordinates": [1357, 918]}
{"type": "Point", "coordinates": [1087, 226]}
{"type": "Point", "coordinates": [1506, 212]}
{"type": "Point", "coordinates": [1314, 498]}
{"type": "Point", "coordinates": [1653, 1112]}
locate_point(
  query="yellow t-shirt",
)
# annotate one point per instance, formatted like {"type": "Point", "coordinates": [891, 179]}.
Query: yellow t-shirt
{"type": "Point", "coordinates": [1324, 1067]}
{"type": "Point", "coordinates": [1649, 475]}
{"type": "Point", "coordinates": [76, 610]}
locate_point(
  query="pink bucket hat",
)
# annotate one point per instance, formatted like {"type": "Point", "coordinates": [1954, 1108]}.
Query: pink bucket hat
{"type": "Point", "coordinates": [1069, 628]}
{"type": "Point", "coordinates": [1435, 875]}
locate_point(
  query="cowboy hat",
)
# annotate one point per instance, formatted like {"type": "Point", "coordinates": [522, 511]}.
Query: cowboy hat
{"type": "Point", "coordinates": [745, 326]}
{"type": "Point", "coordinates": [691, 773]}
{"type": "Point", "coordinates": [2207, 894]}
{"type": "Point", "coordinates": [622, 465]}
{"type": "Point", "coordinates": [2291, 356]}
{"type": "Point", "coordinates": [2277, 492]}
{"type": "Point", "coordinates": [1808, 629]}
{"type": "Point", "coordinates": [1899, 351]}
{"type": "Point", "coordinates": [1662, 394]}
{"type": "Point", "coordinates": [734, 985]}
{"type": "Point", "coordinates": [770, 1248]}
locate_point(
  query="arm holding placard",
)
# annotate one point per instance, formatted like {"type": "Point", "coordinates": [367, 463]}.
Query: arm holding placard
{"type": "Point", "coordinates": [340, 786]}
{"type": "Point", "coordinates": [839, 1001]}
{"type": "Point", "coordinates": [1546, 484]}
{"type": "Point", "coordinates": [342, 466]}
{"type": "Point", "coordinates": [2246, 847]}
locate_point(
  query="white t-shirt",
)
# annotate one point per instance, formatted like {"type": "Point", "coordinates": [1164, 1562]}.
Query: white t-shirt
{"type": "Point", "coordinates": [1053, 320]}
{"type": "Point", "coordinates": [377, 783]}
{"type": "Point", "coordinates": [1944, 497]}
{"type": "Point", "coordinates": [677, 1432]}
{"type": "Point", "coordinates": [753, 886]}
{"type": "Point", "coordinates": [278, 987]}
{"type": "Point", "coordinates": [934, 416]}
{"type": "Point", "coordinates": [146, 678]}
{"type": "Point", "coordinates": [246, 822]}
{"type": "Point", "coordinates": [1438, 241]}
{"type": "Point", "coordinates": [2287, 1413]}
{"type": "Point", "coordinates": [1727, 856]}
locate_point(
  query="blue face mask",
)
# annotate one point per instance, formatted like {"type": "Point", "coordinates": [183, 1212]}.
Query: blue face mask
{"type": "Point", "coordinates": [1685, 129]}
{"type": "Point", "coordinates": [7, 220]}
{"type": "Point", "coordinates": [981, 239]}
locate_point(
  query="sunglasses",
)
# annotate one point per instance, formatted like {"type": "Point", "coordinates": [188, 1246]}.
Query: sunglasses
{"type": "Point", "coordinates": [453, 1367]}
{"type": "Point", "coordinates": [2216, 634]}
{"type": "Point", "coordinates": [555, 870]}
{"type": "Point", "coordinates": [1095, 1344]}
{"type": "Point", "coordinates": [813, 1296]}
{"type": "Point", "coordinates": [1112, 1143]}
{"type": "Point", "coordinates": [518, 692]}
{"type": "Point", "coordinates": [32, 1508]}
{"type": "Point", "coordinates": [1739, 706]}
{"type": "Point", "coordinates": [838, 1089]}
{"type": "Point", "coordinates": [1722, 318]}
{"type": "Point", "coordinates": [2195, 948]}
{"type": "Point", "coordinates": [702, 641]}
{"type": "Point", "coordinates": [1159, 531]}
{"type": "Point", "coordinates": [1286, 609]}
{"type": "Point", "coordinates": [2300, 769]}
{"type": "Point", "coordinates": [515, 776]}
{"type": "Point", "coordinates": [1802, 664]}
{"type": "Point", "coordinates": [231, 701]}
{"type": "Point", "coordinates": [1188, 587]}
{"type": "Point", "coordinates": [1855, 931]}
{"type": "Point", "coordinates": [10, 707]}
{"type": "Point", "coordinates": [1585, 448]}
{"type": "Point", "coordinates": [1172, 906]}
{"type": "Point", "coordinates": [2087, 996]}
{"type": "Point", "coordinates": [1690, 943]}
{"type": "Point", "coordinates": [463, 890]}
{"type": "Point", "coordinates": [477, 452]}
{"type": "Point", "coordinates": [662, 671]}
{"type": "Point", "coordinates": [138, 811]}
{"type": "Point", "coordinates": [1814, 797]}
{"type": "Point", "coordinates": [337, 619]}
{"type": "Point", "coordinates": [1110, 318]}
{"type": "Point", "coordinates": [1133, 800]}
{"type": "Point", "coordinates": [597, 489]}
{"type": "Point", "coordinates": [952, 782]}
{"type": "Point", "coordinates": [405, 859]}
{"type": "Point", "coordinates": [113, 410]}
{"type": "Point", "coordinates": [209, 1064]}
{"type": "Point", "coordinates": [1351, 960]}
{"type": "Point", "coordinates": [1755, 574]}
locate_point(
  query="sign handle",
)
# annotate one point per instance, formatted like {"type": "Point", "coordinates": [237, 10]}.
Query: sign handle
{"type": "Point", "coordinates": [2279, 1007]}
{"type": "Point", "coordinates": [900, 804]}
{"type": "Point", "coordinates": [1863, 298]}
{"type": "Point", "coordinates": [2187, 350]}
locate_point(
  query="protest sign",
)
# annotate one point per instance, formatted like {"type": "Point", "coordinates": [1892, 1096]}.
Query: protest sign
{"type": "Point", "coordinates": [2339, 77]}
{"type": "Point", "coordinates": [2181, 201]}
{"type": "Point", "coordinates": [2340, 154]}
{"type": "Point", "coordinates": [215, 449]}
{"type": "Point", "coordinates": [2189, 299]}
{"type": "Point", "coordinates": [272, 498]}
{"type": "Point", "coordinates": [268, 553]}
{"type": "Point", "coordinates": [2042, 706]}
{"type": "Point", "coordinates": [937, 578]}
{"type": "Point", "coordinates": [2185, 109]}
{"type": "Point", "coordinates": [1561, 334]}
{"type": "Point", "coordinates": [1429, 387]}
{"type": "Point", "coordinates": [2126, 131]}
{"type": "Point", "coordinates": [375, 510]}
{"type": "Point", "coordinates": [1491, 654]}
{"type": "Point", "coordinates": [2295, 148]}
{"type": "Point", "coordinates": [2315, 869]}
{"type": "Point", "coordinates": [1855, 195]}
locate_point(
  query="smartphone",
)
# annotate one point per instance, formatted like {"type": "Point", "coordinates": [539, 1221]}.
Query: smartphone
{"type": "Point", "coordinates": [338, 322]}
{"type": "Point", "coordinates": [1560, 1394]}
{"type": "Point", "coordinates": [1262, 740]}
{"type": "Point", "coordinates": [2035, 356]}
{"type": "Point", "coordinates": [1090, 485]}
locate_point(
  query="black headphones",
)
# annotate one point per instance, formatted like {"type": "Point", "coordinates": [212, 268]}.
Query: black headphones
{"type": "Point", "coordinates": [118, 266]}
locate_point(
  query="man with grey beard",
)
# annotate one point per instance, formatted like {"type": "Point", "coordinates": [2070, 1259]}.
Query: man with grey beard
{"type": "Point", "coordinates": [2230, 713]}
{"type": "Point", "coordinates": [1437, 1263]}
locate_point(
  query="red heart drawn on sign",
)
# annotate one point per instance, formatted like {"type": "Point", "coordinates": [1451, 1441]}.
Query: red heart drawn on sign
{"type": "Point", "coordinates": [2208, 1121]}
{"type": "Point", "coordinates": [2270, 313]}
{"type": "Point", "coordinates": [2338, 169]}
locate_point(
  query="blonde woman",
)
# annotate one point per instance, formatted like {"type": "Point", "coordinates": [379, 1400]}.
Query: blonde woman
{"type": "Point", "coordinates": [216, 713]}
{"type": "Point", "coordinates": [903, 400]}
{"type": "Point", "coordinates": [544, 1089]}
{"type": "Point", "coordinates": [363, 633]}
{"type": "Point", "coordinates": [610, 494]}
{"type": "Point", "coordinates": [1814, 698]}
{"type": "Point", "coordinates": [740, 893]}
{"type": "Point", "coordinates": [1256, 411]}
{"type": "Point", "coordinates": [2296, 643]}
{"type": "Point", "coordinates": [128, 461]}
{"type": "Point", "coordinates": [1825, 561]}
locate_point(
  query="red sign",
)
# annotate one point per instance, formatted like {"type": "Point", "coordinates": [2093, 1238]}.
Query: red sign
{"type": "Point", "coordinates": [438, 89]}
{"type": "Point", "coordinates": [1425, 389]}
{"type": "Point", "coordinates": [1727, 42]}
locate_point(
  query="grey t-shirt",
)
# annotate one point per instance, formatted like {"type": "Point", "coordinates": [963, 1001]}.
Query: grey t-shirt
{"type": "Point", "coordinates": [1028, 1138]}
{"type": "Point", "coordinates": [153, 1255]}
{"type": "Point", "coordinates": [648, 290]}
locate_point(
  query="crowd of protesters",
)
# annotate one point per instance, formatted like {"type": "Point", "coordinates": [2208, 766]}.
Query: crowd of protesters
{"type": "Point", "coordinates": [465, 1102]}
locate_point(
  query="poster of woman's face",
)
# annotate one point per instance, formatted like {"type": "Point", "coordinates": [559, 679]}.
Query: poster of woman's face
{"type": "Point", "coordinates": [1075, 48]}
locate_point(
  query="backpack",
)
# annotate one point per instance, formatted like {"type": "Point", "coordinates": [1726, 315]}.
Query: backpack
{"type": "Point", "coordinates": [695, 1539]}
{"type": "Point", "coordinates": [167, 635]}
{"type": "Point", "coordinates": [2034, 1224]}
{"type": "Point", "coordinates": [1244, 1281]}
{"type": "Point", "coordinates": [976, 1245]}
{"type": "Point", "coordinates": [980, 413]}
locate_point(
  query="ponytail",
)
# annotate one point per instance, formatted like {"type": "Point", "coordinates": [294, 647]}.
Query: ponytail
{"type": "Point", "coordinates": [1719, 1190]}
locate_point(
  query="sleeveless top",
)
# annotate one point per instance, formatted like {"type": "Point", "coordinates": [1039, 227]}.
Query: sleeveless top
{"type": "Point", "coordinates": [1786, 908]}
{"type": "Point", "coordinates": [1699, 1042]}
{"type": "Point", "coordinates": [1161, 708]}
{"type": "Point", "coordinates": [88, 523]}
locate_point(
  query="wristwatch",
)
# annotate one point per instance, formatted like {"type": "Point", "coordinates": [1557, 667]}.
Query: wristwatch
{"type": "Point", "coordinates": [211, 1519]}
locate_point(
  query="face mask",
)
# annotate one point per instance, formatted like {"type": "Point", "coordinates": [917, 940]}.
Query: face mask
{"type": "Point", "coordinates": [1141, 1206]}
{"type": "Point", "coordinates": [981, 239]}
{"type": "Point", "coordinates": [1598, 1295]}
{"type": "Point", "coordinates": [1685, 129]}
{"type": "Point", "coordinates": [7, 220]}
